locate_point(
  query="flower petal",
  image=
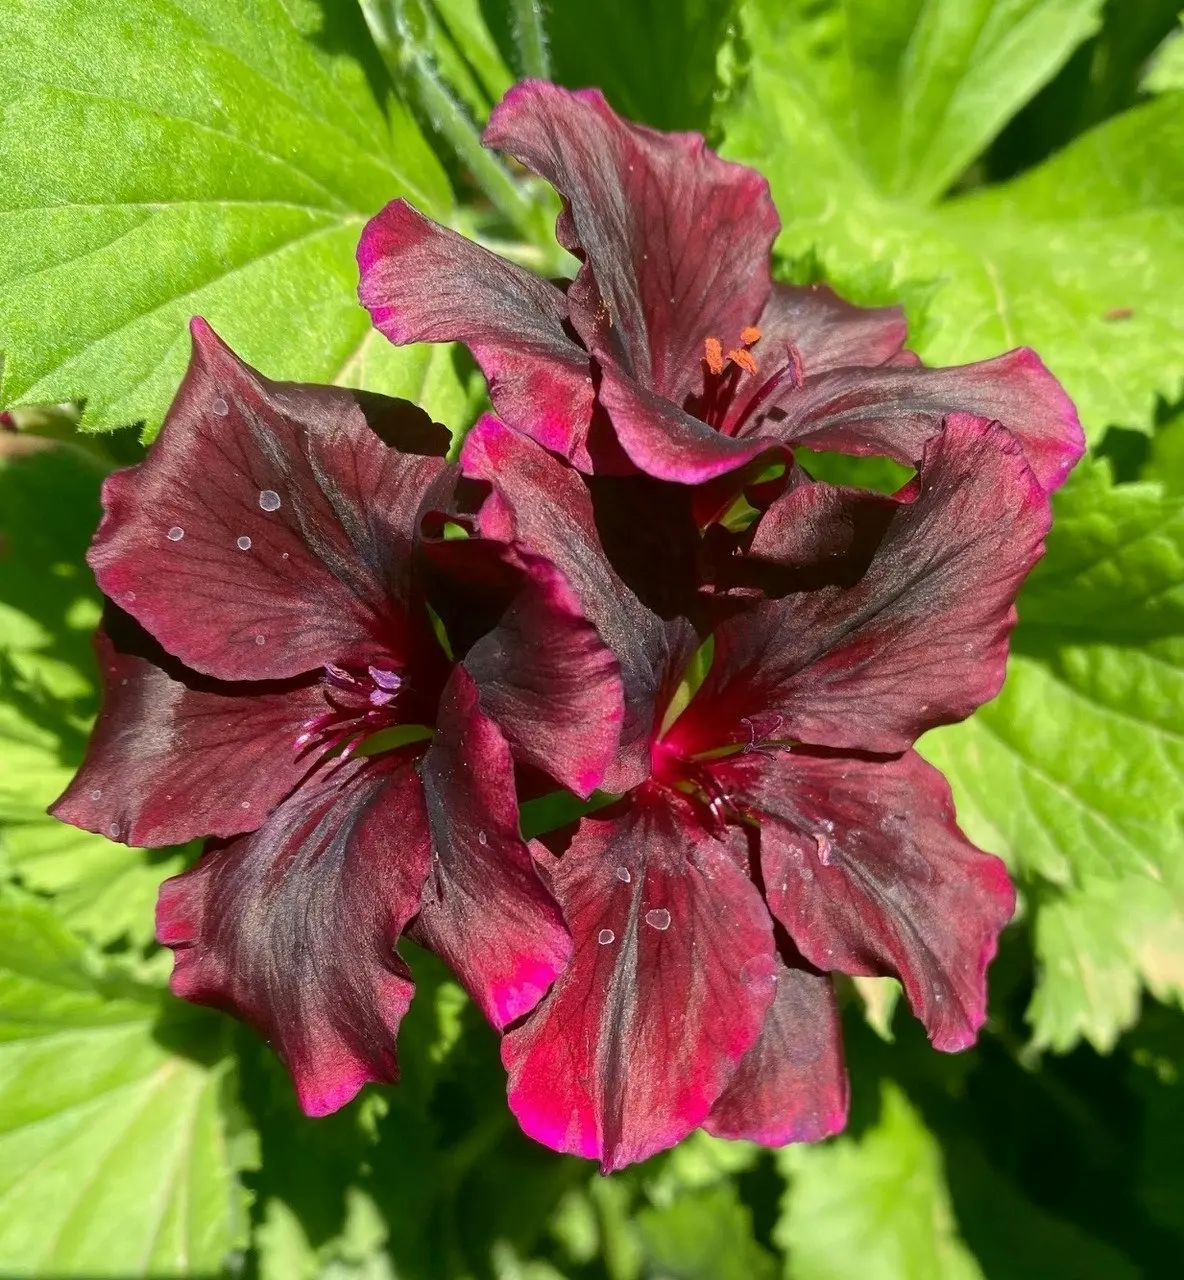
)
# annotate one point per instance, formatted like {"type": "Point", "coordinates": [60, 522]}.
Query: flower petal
{"type": "Point", "coordinates": [828, 332]}
{"type": "Point", "coordinates": [270, 529]}
{"type": "Point", "coordinates": [668, 988]}
{"type": "Point", "coordinates": [294, 928]}
{"type": "Point", "coordinates": [175, 755]}
{"type": "Point", "coordinates": [895, 409]}
{"type": "Point", "coordinates": [485, 910]}
{"type": "Point", "coordinates": [665, 441]}
{"type": "Point", "coordinates": [675, 241]}
{"type": "Point", "coordinates": [864, 865]}
{"type": "Point", "coordinates": [920, 639]}
{"type": "Point", "coordinates": [791, 1085]}
{"type": "Point", "coordinates": [424, 283]}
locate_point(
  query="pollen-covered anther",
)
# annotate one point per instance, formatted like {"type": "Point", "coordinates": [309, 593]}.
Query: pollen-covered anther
{"type": "Point", "coordinates": [750, 335]}
{"type": "Point", "coordinates": [742, 360]}
{"type": "Point", "coordinates": [713, 355]}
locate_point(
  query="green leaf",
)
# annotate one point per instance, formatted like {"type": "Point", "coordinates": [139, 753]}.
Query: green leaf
{"type": "Point", "coordinates": [1075, 773]}
{"type": "Point", "coordinates": [876, 1207]}
{"type": "Point", "coordinates": [165, 158]}
{"type": "Point", "coordinates": [703, 1235]}
{"type": "Point", "coordinates": [118, 1156]}
{"type": "Point", "coordinates": [862, 116]}
{"type": "Point", "coordinates": [1167, 68]}
{"type": "Point", "coordinates": [48, 692]}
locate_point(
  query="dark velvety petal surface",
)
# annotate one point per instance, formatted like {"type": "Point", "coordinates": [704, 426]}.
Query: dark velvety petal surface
{"type": "Point", "coordinates": [895, 409]}
{"type": "Point", "coordinates": [424, 283]}
{"type": "Point", "coordinates": [667, 990]}
{"type": "Point", "coordinates": [549, 681]}
{"type": "Point", "coordinates": [791, 1085]}
{"type": "Point", "coordinates": [485, 909]}
{"type": "Point", "coordinates": [676, 241]}
{"type": "Point", "coordinates": [294, 928]}
{"type": "Point", "coordinates": [175, 755]}
{"type": "Point", "coordinates": [664, 441]}
{"type": "Point", "coordinates": [864, 865]}
{"type": "Point", "coordinates": [828, 332]}
{"type": "Point", "coordinates": [546, 507]}
{"type": "Point", "coordinates": [920, 639]}
{"type": "Point", "coordinates": [269, 531]}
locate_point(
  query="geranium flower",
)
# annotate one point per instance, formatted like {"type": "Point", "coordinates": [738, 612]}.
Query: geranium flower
{"type": "Point", "coordinates": [781, 827]}
{"type": "Point", "coordinates": [273, 595]}
{"type": "Point", "coordinates": [672, 343]}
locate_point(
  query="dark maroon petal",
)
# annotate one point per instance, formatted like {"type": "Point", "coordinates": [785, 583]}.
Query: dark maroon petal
{"type": "Point", "coordinates": [894, 410]}
{"type": "Point", "coordinates": [550, 683]}
{"type": "Point", "coordinates": [485, 910]}
{"type": "Point", "coordinates": [270, 529]}
{"type": "Point", "coordinates": [865, 866]}
{"type": "Point", "coordinates": [675, 240]}
{"type": "Point", "coordinates": [791, 1085]}
{"type": "Point", "coordinates": [540, 504]}
{"type": "Point", "coordinates": [668, 988]}
{"type": "Point", "coordinates": [175, 755]}
{"type": "Point", "coordinates": [827, 332]}
{"type": "Point", "coordinates": [294, 928]}
{"type": "Point", "coordinates": [664, 441]}
{"type": "Point", "coordinates": [424, 283]}
{"type": "Point", "coordinates": [920, 639]}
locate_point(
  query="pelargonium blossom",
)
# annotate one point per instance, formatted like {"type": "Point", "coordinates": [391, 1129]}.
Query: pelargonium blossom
{"type": "Point", "coordinates": [273, 590]}
{"type": "Point", "coordinates": [672, 351]}
{"type": "Point", "coordinates": [781, 826]}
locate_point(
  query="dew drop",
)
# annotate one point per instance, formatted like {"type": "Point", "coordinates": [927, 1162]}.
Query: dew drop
{"type": "Point", "coordinates": [269, 500]}
{"type": "Point", "coordinates": [220, 407]}
{"type": "Point", "coordinates": [285, 556]}
{"type": "Point", "coordinates": [176, 533]}
{"type": "Point", "coordinates": [246, 804]}
{"type": "Point", "coordinates": [482, 837]}
{"type": "Point", "coordinates": [243, 543]}
{"type": "Point", "coordinates": [658, 918]}
{"type": "Point", "coordinates": [113, 831]}
{"type": "Point", "coordinates": [623, 875]}
{"type": "Point", "coordinates": [605, 936]}
{"type": "Point", "coordinates": [97, 793]}
{"type": "Point", "coordinates": [260, 640]}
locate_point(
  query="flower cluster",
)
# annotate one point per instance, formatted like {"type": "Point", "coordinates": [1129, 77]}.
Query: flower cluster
{"type": "Point", "coordinates": [340, 658]}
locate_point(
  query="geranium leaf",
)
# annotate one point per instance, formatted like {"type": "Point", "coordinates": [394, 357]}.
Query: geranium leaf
{"type": "Point", "coordinates": [1075, 774]}
{"type": "Point", "coordinates": [1167, 67]}
{"type": "Point", "coordinates": [123, 1167]}
{"type": "Point", "coordinates": [875, 1207]}
{"type": "Point", "coordinates": [1070, 258]}
{"type": "Point", "coordinates": [173, 157]}
{"type": "Point", "coordinates": [48, 691]}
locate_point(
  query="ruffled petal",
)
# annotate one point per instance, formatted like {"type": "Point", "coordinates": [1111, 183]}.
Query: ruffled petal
{"type": "Point", "coordinates": [175, 755]}
{"type": "Point", "coordinates": [294, 928]}
{"type": "Point", "coordinates": [791, 1085]}
{"type": "Point", "coordinates": [895, 409]}
{"type": "Point", "coordinates": [270, 529]}
{"type": "Point", "coordinates": [675, 241]}
{"type": "Point", "coordinates": [667, 990]}
{"type": "Point", "coordinates": [917, 639]}
{"type": "Point", "coordinates": [828, 332]}
{"type": "Point", "coordinates": [864, 865]}
{"type": "Point", "coordinates": [485, 910]}
{"type": "Point", "coordinates": [424, 283]}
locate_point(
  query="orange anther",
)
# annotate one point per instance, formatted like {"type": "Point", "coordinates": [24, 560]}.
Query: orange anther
{"type": "Point", "coordinates": [713, 355]}
{"type": "Point", "coordinates": [750, 335]}
{"type": "Point", "coordinates": [743, 359]}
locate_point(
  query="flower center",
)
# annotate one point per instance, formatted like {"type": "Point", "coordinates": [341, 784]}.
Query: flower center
{"type": "Point", "coordinates": [361, 703]}
{"type": "Point", "coordinates": [728, 400]}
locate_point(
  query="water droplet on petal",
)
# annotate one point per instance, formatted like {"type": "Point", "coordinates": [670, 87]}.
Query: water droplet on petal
{"type": "Point", "coordinates": [285, 556]}
{"type": "Point", "coordinates": [243, 543]}
{"type": "Point", "coordinates": [605, 936]}
{"type": "Point", "coordinates": [482, 837]}
{"type": "Point", "coordinates": [260, 640]}
{"type": "Point", "coordinates": [176, 533]}
{"type": "Point", "coordinates": [623, 875]}
{"type": "Point", "coordinates": [220, 407]}
{"type": "Point", "coordinates": [113, 831]}
{"type": "Point", "coordinates": [269, 500]}
{"type": "Point", "coordinates": [97, 793]}
{"type": "Point", "coordinates": [246, 804]}
{"type": "Point", "coordinates": [658, 918]}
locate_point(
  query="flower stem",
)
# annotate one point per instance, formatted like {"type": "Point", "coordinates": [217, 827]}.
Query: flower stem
{"type": "Point", "coordinates": [531, 36]}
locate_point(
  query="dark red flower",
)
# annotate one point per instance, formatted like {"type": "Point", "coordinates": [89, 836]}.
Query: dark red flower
{"type": "Point", "coordinates": [271, 584]}
{"type": "Point", "coordinates": [672, 343]}
{"type": "Point", "coordinates": [782, 826]}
